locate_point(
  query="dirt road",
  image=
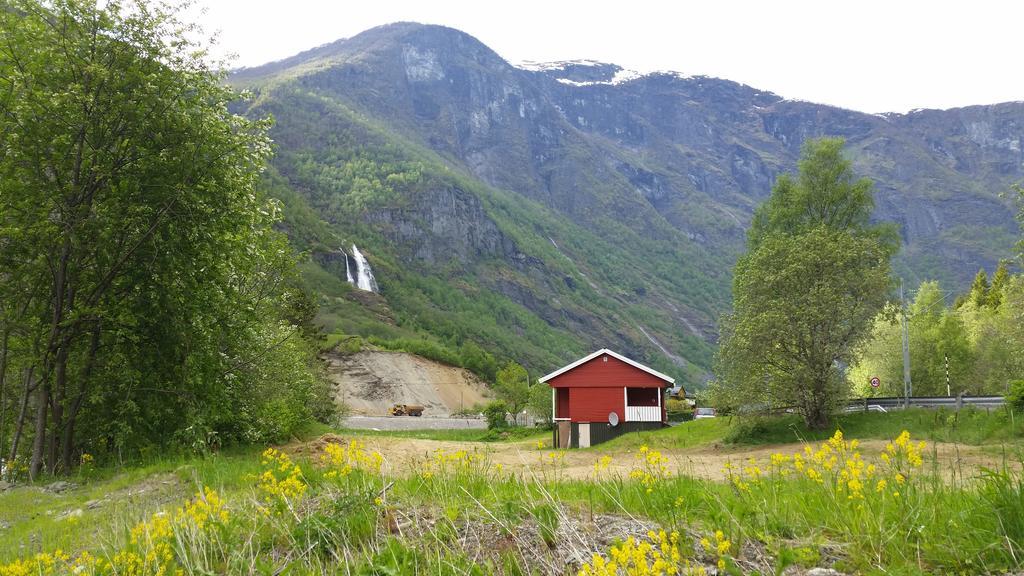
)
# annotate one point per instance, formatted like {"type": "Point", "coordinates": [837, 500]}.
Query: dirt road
{"type": "Point", "coordinates": [405, 454]}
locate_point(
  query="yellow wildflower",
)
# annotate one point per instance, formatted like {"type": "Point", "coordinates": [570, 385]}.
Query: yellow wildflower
{"type": "Point", "coordinates": [281, 478]}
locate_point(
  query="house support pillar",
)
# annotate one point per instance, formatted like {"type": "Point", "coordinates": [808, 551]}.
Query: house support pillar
{"type": "Point", "coordinates": [660, 392]}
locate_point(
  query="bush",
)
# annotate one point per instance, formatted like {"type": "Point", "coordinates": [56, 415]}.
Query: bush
{"type": "Point", "coordinates": [420, 347]}
{"type": "Point", "coordinates": [496, 413]}
{"type": "Point", "coordinates": [1015, 398]}
{"type": "Point", "coordinates": [478, 361]}
{"type": "Point", "coordinates": [762, 429]}
{"type": "Point", "coordinates": [677, 410]}
{"type": "Point", "coordinates": [349, 345]}
{"type": "Point", "coordinates": [470, 412]}
{"type": "Point", "coordinates": [468, 356]}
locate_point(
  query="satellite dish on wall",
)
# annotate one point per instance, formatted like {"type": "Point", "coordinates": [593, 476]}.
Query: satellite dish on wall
{"type": "Point", "coordinates": [613, 419]}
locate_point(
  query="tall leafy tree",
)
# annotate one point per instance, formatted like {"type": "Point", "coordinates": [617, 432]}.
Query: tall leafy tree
{"type": "Point", "coordinates": [806, 293]}
{"type": "Point", "coordinates": [984, 345]}
{"type": "Point", "coordinates": [937, 337]}
{"type": "Point", "coordinates": [825, 192]}
{"type": "Point", "coordinates": [146, 288]}
{"type": "Point", "coordinates": [1000, 279]}
{"type": "Point", "coordinates": [979, 289]}
{"type": "Point", "coordinates": [997, 338]}
{"type": "Point", "coordinates": [880, 357]}
{"type": "Point", "coordinates": [540, 402]}
{"type": "Point", "coordinates": [512, 384]}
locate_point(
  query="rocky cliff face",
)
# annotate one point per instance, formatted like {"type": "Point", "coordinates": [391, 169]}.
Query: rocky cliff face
{"type": "Point", "coordinates": [607, 203]}
{"type": "Point", "coordinates": [442, 224]}
{"type": "Point", "coordinates": [701, 152]}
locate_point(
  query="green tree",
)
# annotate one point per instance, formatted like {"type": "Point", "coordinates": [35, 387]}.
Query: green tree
{"type": "Point", "coordinates": [803, 305]}
{"type": "Point", "coordinates": [156, 302]}
{"type": "Point", "coordinates": [1015, 395]}
{"type": "Point", "coordinates": [496, 412]}
{"type": "Point", "coordinates": [478, 360]}
{"type": "Point", "coordinates": [881, 357]}
{"type": "Point", "coordinates": [999, 281]}
{"type": "Point", "coordinates": [979, 289]}
{"type": "Point", "coordinates": [997, 339]}
{"type": "Point", "coordinates": [937, 333]}
{"type": "Point", "coordinates": [825, 192]}
{"type": "Point", "coordinates": [512, 384]}
{"type": "Point", "coordinates": [539, 404]}
{"type": "Point", "coordinates": [806, 293]}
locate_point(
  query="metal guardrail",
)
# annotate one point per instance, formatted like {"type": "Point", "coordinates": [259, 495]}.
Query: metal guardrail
{"type": "Point", "coordinates": [896, 402]}
{"type": "Point", "coordinates": [885, 404]}
{"type": "Point", "coordinates": [865, 408]}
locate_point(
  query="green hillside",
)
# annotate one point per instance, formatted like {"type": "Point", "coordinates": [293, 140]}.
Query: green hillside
{"type": "Point", "coordinates": [544, 213]}
{"type": "Point", "coordinates": [337, 173]}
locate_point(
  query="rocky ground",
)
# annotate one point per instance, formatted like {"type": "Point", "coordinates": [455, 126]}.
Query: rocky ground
{"type": "Point", "coordinates": [371, 381]}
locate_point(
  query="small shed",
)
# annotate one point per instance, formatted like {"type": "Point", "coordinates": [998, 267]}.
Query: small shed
{"type": "Point", "coordinates": [604, 395]}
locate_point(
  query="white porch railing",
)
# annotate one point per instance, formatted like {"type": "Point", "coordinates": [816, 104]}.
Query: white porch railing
{"type": "Point", "coordinates": [643, 414]}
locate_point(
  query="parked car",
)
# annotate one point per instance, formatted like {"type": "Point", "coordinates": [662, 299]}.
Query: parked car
{"type": "Point", "coordinates": [704, 413]}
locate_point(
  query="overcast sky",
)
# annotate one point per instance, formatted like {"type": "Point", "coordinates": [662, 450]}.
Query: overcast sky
{"type": "Point", "coordinates": [868, 55]}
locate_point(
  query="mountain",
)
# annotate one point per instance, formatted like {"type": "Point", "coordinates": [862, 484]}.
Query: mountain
{"type": "Point", "coordinates": [544, 210]}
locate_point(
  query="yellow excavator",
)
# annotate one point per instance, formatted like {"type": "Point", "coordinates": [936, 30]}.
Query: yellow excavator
{"type": "Point", "coordinates": [406, 410]}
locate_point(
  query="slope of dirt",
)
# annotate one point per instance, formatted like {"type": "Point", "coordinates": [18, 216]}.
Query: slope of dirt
{"type": "Point", "coordinates": [371, 381]}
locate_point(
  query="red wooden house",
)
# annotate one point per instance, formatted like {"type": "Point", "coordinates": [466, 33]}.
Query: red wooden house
{"type": "Point", "coordinates": [603, 395]}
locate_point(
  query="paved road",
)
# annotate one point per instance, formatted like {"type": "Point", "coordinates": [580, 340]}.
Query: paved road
{"type": "Point", "coordinates": [411, 423]}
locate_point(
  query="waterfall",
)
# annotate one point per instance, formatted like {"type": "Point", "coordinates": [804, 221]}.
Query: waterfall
{"type": "Point", "coordinates": [348, 272]}
{"type": "Point", "coordinates": [364, 275]}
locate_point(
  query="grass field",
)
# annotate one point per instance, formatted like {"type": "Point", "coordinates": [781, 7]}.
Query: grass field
{"type": "Point", "coordinates": [970, 426]}
{"type": "Point", "coordinates": [334, 504]}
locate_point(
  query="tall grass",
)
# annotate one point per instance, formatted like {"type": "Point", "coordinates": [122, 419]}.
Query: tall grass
{"type": "Point", "coordinates": [968, 426]}
{"type": "Point", "coordinates": [335, 507]}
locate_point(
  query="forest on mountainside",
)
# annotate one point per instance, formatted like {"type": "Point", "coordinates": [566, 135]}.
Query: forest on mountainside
{"type": "Point", "coordinates": [543, 212]}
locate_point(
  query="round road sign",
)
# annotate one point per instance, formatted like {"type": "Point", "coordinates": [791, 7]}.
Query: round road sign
{"type": "Point", "coordinates": [875, 382]}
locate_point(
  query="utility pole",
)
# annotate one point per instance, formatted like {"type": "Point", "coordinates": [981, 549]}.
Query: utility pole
{"type": "Point", "coordinates": [948, 392]}
{"type": "Point", "coordinates": [907, 387]}
{"type": "Point", "coordinates": [526, 415]}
